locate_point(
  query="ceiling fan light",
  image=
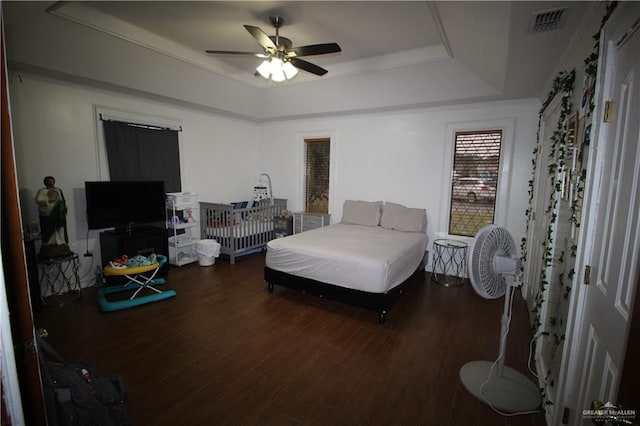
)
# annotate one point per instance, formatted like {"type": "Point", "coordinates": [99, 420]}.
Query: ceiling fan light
{"type": "Point", "coordinates": [289, 70]}
{"type": "Point", "coordinates": [264, 69]}
{"type": "Point", "coordinates": [277, 73]}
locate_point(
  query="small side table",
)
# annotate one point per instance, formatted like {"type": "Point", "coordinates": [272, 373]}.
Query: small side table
{"type": "Point", "coordinates": [59, 276]}
{"type": "Point", "coordinates": [449, 262]}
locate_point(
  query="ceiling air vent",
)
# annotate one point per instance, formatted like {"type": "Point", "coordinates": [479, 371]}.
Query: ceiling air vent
{"type": "Point", "coordinates": [547, 20]}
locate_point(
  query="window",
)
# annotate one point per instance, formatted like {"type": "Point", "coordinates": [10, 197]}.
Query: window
{"type": "Point", "coordinates": [474, 185]}
{"type": "Point", "coordinates": [316, 175]}
{"type": "Point", "coordinates": [142, 152]}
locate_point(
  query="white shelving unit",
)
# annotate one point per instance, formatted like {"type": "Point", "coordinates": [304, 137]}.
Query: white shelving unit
{"type": "Point", "coordinates": [183, 227]}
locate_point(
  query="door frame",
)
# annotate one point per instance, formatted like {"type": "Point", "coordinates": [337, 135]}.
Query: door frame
{"type": "Point", "coordinates": [20, 367]}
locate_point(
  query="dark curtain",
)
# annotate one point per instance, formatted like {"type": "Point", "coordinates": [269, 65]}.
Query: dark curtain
{"type": "Point", "coordinates": [135, 152]}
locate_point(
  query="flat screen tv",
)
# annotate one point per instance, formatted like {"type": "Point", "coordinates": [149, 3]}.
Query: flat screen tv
{"type": "Point", "coordinates": [124, 205]}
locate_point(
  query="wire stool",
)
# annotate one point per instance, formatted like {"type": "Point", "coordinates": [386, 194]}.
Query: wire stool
{"type": "Point", "coordinates": [449, 262]}
{"type": "Point", "coordinates": [59, 277]}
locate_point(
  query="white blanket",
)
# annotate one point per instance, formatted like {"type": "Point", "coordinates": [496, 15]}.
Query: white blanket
{"type": "Point", "coordinates": [367, 258]}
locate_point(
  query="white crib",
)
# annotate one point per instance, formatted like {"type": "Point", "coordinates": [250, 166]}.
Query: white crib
{"type": "Point", "coordinates": [240, 230]}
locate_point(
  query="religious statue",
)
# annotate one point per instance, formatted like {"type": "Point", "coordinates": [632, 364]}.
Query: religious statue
{"type": "Point", "coordinates": [52, 210]}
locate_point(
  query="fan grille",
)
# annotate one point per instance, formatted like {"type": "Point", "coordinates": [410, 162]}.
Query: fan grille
{"type": "Point", "coordinates": [489, 242]}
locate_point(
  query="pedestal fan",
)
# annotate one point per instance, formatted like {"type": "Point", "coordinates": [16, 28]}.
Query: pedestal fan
{"type": "Point", "coordinates": [493, 264]}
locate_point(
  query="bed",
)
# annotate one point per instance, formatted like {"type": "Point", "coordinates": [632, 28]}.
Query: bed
{"type": "Point", "coordinates": [238, 229]}
{"type": "Point", "coordinates": [365, 260]}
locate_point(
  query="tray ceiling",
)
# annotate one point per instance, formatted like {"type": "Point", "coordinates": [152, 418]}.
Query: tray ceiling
{"type": "Point", "coordinates": [489, 42]}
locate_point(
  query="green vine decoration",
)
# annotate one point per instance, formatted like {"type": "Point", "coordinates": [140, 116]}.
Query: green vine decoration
{"type": "Point", "coordinates": [563, 86]}
{"type": "Point", "coordinates": [558, 146]}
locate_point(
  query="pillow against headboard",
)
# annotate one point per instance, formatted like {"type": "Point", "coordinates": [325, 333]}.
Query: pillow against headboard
{"type": "Point", "coordinates": [401, 218]}
{"type": "Point", "coordinates": [362, 212]}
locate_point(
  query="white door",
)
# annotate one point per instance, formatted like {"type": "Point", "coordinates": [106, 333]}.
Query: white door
{"type": "Point", "coordinates": [612, 241]}
{"type": "Point", "coordinates": [543, 194]}
{"type": "Point", "coordinates": [541, 191]}
{"type": "Point", "coordinates": [547, 241]}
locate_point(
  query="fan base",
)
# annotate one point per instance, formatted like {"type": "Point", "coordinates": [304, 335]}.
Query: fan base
{"type": "Point", "coordinates": [511, 393]}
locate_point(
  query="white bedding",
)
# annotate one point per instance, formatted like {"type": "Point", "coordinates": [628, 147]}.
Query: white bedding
{"type": "Point", "coordinates": [367, 258]}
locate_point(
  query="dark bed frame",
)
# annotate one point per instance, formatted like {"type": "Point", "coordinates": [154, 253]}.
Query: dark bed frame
{"type": "Point", "coordinates": [379, 302]}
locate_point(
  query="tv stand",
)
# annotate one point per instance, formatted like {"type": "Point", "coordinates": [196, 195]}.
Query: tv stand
{"type": "Point", "coordinates": [137, 241]}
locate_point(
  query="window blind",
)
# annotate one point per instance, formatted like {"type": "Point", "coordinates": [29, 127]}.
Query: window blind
{"type": "Point", "coordinates": [316, 175]}
{"type": "Point", "coordinates": [138, 152]}
{"type": "Point", "coordinates": [474, 185]}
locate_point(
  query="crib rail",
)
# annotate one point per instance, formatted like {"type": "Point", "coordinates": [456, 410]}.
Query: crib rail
{"type": "Point", "coordinates": [239, 230]}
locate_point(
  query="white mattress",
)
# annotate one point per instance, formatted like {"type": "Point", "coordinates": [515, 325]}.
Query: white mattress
{"type": "Point", "coordinates": [367, 258]}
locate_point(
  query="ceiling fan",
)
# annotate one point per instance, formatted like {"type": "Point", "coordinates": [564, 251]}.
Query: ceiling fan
{"type": "Point", "coordinates": [281, 59]}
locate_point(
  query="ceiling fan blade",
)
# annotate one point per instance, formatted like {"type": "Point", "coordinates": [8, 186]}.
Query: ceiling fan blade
{"type": "Point", "coordinates": [233, 52]}
{"type": "Point", "coordinates": [315, 49]}
{"type": "Point", "coordinates": [262, 38]}
{"type": "Point", "coordinates": [308, 66]}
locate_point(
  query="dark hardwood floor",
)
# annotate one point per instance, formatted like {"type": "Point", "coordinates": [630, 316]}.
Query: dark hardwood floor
{"type": "Point", "coordinates": [226, 352]}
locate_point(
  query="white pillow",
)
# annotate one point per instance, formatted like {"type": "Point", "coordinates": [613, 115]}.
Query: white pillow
{"type": "Point", "coordinates": [401, 218]}
{"type": "Point", "coordinates": [362, 212]}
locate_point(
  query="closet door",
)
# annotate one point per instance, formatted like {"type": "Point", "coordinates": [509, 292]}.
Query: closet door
{"type": "Point", "coordinates": [611, 249]}
{"type": "Point", "coordinates": [545, 242]}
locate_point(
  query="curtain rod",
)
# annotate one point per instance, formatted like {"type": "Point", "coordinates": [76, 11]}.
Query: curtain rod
{"type": "Point", "coordinates": [146, 126]}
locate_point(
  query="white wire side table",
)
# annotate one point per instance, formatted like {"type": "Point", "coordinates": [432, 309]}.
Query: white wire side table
{"type": "Point", "coordinates": [59, 278]}
{"type": "Point", "coordinates": [449, 262]}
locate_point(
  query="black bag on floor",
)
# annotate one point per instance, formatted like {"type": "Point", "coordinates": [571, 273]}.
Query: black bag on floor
{"type": "Point", "coordinates": [75, 395]}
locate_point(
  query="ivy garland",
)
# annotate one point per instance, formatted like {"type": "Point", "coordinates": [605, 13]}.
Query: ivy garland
{"type": "Point", "coordinates": [563, 85]}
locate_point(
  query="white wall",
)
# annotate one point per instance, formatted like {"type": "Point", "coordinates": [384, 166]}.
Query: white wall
{"type": "Point", "coordinates": [401, 156]}
{"type": "Point", "coordinates": [56, 132]}
{"type": "Point", "coordinates": [405, 157]}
